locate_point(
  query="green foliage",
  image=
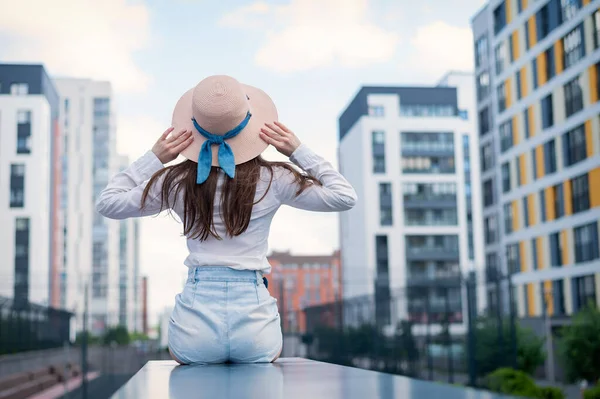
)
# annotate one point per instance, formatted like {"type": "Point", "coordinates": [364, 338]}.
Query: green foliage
{"type": "Point", "coordinates": [118, 335]}
{"type": "Point", "coordinates": [581, 346]}
{"type": "Point", "coordinates": [592, 393]}
{"type": "Point", "coordinates": [493, 352]}
{"type": "Point", "coordinates": [518, 383]}
{"type": "Point", "coordinates": [91, 339]}
{"type": "Point", "coordinates": [137, 336]}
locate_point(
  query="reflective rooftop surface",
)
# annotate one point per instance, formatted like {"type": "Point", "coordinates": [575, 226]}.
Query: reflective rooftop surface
{"type": "Point", "coordinates": [288, 378]}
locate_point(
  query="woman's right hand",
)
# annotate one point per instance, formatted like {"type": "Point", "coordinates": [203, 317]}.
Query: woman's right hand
{"type": "Point", "coordinates": [280, 137]}
{"type": "Point", "coordinates": [168, 149]}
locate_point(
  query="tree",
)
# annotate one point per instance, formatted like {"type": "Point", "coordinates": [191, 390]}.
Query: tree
{"type": "Point", "coordinates": [119, 335]}
{"type": "Point", "coordinates": [580, 346]}
{"type": "Point", "coordinates": [493, 351]}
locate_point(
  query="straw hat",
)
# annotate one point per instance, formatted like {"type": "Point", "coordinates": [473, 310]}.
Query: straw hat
{"type": "Point", "coordinates": [227, 114]}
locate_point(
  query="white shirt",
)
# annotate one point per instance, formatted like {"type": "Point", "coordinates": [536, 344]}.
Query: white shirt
{"type": "Point", "coordinates": [121, 199]}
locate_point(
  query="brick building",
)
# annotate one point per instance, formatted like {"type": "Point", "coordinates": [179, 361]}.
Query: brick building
{"type": "Point", "coordinates": [301, 281]}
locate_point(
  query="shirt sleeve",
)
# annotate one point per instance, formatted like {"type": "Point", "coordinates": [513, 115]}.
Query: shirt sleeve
{"type": "Point", "coordinates": [122, 197]}
{"type": "Point", "coordinates": [334, 194]}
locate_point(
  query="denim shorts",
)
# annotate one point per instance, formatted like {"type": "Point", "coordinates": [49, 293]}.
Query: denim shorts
{"type": "Point", "coordinates": [224, 315]}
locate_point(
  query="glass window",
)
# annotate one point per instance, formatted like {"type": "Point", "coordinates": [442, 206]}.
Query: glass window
{"type": "Point", "coordinates": [487, 157]}
{"type": "Point", "coordinates": [17, 185]}
{"type": "Point", "coordinates": [555, 250]}
{"type": "Point", "coordinates": [500, 57]}
{"type": "Point", "coordinates": [574, 146]}
{"type": "Point", "coordinates": [573, 47]}
{"type": "Point", "coordinates": [580, 193]}
{"type": "Point", "coordinates": [481, 51]}
{"type": "Point", "coordinates": [488, 193]}
{"type": "Point", "coordinates": [376, 110]}
{"type": "Point", "coordinates": [499, 17]}
{"type": "Point", "coordinates": [525, 212]}
{"type": "Point", "coordinates": [559, 203]}
{"type": "Point", "coordinates": [385, 204]}
{"type": "Point", "coordinates": [508, 218]}
{"type": "Point", "coordinates": [543, 205]}
{"type": "Point", "coordinates": [526, 124]}
{"type": "Point", "coordinates": [381, 254]}
{"type": "Point", "coordinates": [550, 67]}
{"type": "Point", "coordinates": [569, 8]}
{"type": "Point", "coordinates": [547, 112]}
{"type": "Point", "coordinates": [518, 84]}
{"type": "Point", "coordinates": [483, 85]}
{"type": "Point", "coordinates": [19, 89]}
{"type": "Point", "coordinates": [550, 157]}
{"type": "Point", "coordinates": [491, 229]}
{"type": "Point", "coordinates": [501, 94]}
{"type": "Point", "coordinates": [506, 135]}
{"type": "Point", "coordinates": [513, 258]}
{"type": "Point", "coordinates": [573, 97]}
{"type": "Point", "coordinates": [378, 149]}
{"type": "Point", "coordinates": [534, 253]}
{"type": "Point", "coordinates": [586, 242]}
{"type": "Point", "coordinates": [596, 18]}
{"type": "Point", "coordinates": [543, 22]}
{"type": "Point", "coordinates": [484, 121]}
{"type": "Point", "coordinates": [505, 177]}
{"type": "Point", "coordinates": [584, 290]}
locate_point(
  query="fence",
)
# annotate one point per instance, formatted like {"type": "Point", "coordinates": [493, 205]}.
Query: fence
{"type": "Point", "coordinates": [26, 327]}
{"type": "Point", "coordinates": [434, 330]}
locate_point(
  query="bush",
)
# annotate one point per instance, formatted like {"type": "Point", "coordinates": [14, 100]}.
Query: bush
{"type": "Point", "coordinates": [592, 393]}
{"type": "Point", "coordinates": [581, 346]}
{"type": "Point", "coordinates": [518, 383]}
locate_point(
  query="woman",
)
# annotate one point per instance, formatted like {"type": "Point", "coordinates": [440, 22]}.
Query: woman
{"type": "Point", "coordinates": [226, 195]}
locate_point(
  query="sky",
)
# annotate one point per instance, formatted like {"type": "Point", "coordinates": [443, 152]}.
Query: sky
{"type": "Point", "coordinates": [310, 56]}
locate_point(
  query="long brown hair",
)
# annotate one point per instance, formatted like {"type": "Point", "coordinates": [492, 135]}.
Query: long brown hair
{"type": "Point", "coordinates": [237, 195]}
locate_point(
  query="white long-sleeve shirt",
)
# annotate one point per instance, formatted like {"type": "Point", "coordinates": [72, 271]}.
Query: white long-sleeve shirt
{"type": "Point", "coordinates": [121, 199]}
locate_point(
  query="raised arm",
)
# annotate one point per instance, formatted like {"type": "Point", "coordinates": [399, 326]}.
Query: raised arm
{"type": "Point", "coordinates": [122, 197]}
{"type": "Point", "coordinates": [334, 194]}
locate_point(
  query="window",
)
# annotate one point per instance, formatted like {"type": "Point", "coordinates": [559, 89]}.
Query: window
{"type": "Point", "coordinates": [586, 242]}
{"type": "Point", "coordinates": [596, 28]}
{"type": "Point", "coordinates": [573, 47]}
{"type": "Point", "coordinates": [525, 212]}
{"type": "Point", "coordinates": [505, 177]}
{"type": "Point", "coordinates": [19, 89]}
{"type": "Point", "coordinates": [526, 124]}
{"type": "Point", "coordinates": [543, 22]}
{"type": "Point", "coordinates": [573, 97]}
{"type": "Point", "coordinates": [487, 157]}
{"type": "Point", "coordinates": [483, 85]}
{"type": "Point", "coordinates": [569, 8]}
{"type": "Point", "coordinates": [584, 292]}
{"type": "Point", "coordinates": [463, 114]}
{"type": "Point", "coordinates": [534, 72]}
{"type": "Point", "coordinates": [488, 193]}
{"type": "Point", "coordinates": [491, 229]}
{"type": "Point", "coordinates": [381, 253]}
{"type": "Point", "coordinates": [492, 272]}
{"type": "Point", "coordinates": [501, 94]}
{"type": "Point", "coordinates": [513, 258]}
{"type": "Point", "coordinates": [429, 192]}
{"type": "Point", "coordinates": [378, 145]}
{"type": "Point", "coordinates": [518, 172]}
{"type": "Point", "coordinates": [430, 217]}
{"type": "Point", "coordinates": [550, 66]}
{"type": "Point", "coordinates": [559, 297]}
{"type": "Point", "coordinates": [23, 132]}
{"type": "Point", "coordinates": [484, 121]}
{"type": "Point", "coordinates": [527, 44]}
{"type": "Point", "coordinates": [428, 164]}
{"type": "Point", "coordinates": [519, 6]}
{"type": "Point", "coordinates": [547, 113]}
{"type": "Point", "coordinates": [17, 185]}
{"type": "Point", "coordinates": [580, 193]}
{"type": "Point", "coordinates": [555, 250]}
{"type": "Point", "coordinates": [574, 146]}
{"type": "Point", "coordinates": [426, 141]}
{"type": "Point", "coordinates": [559, 203]}
{"type": "Point", "coordinates": [534, 253]}
{"type": "Point", "coordinates": [518, 83]}
{"type": "Point", "coordinates": [499, 17]}
{"type": "Point", "coordinates": [543, 205]}
{"type": "Point", "coordinates": [427, 110]}
{"type": "Point", "coordinates": [508, 218]}
{"type": "Point", "coordinates": [533, 165]}
{"type": "Point", "coordinates": [481, 51]}
{"type": "Point", "coordinates": [385, 204]}
{"type": "Point", "coordinates": [500, 57]}
{"type": "Point", "coordinates": [506, 135]}
{"type": "Point", "coordinates": [550, 157]}
{"type": "Point", "coordinates": [376, 110]}
{"type": "Point", "coordinates": [21, 265]}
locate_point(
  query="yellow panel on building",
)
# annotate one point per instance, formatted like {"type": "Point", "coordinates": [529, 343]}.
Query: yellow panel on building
{"type": "Point", "coordinates": [548, 297]}
{"type": "Point", "coordinates": [532, 31]}
{"type": "Point", "coordinates": [523, 257]}
{"type": "Point", "coordinates": [558, 56]}
{"type": "Point", "coordinates": [539, 248]}
{"type": "Point", "coordinates": [541, 69]}
{"type": "Point", "coordinates": [531, 117]}
{"type": "Point", "coordinates": [550, 213]}
{"type": "Point", "coordinates": [515, 221]}
{"type": "Point", "coordinates": [589, 138]}
{"type": "Point", "coordinates": [515, 130]}
{"type": "Point", "coordinates": [568, 197]}
{"type": "Point", "coordinates": [586, 2]}
{"type": "Point", "coordinates": [531, 210]}
{"type": "Point", "coordinates": [530, 300]}
{"type": "Point", "coordinates": [523, 169]}
{"type": "Point", "coordinates": [524, 84]}
{"type": "Point", "coordinates": [515, 45]}
{"type": "Point", "coordinates": [539, 161]}
{"type": "Point", "coordinates": [524, 4]}
{"type": "Point", "coordinates": [594, 186]}
{"type": "Point", "coordinates": [508, 11]}
{"type": "Point", "coordinates": [593, 84]}
{"type": "Point", "coordinates": [564, 247]}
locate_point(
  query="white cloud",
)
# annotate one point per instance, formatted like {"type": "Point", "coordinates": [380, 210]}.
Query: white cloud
{"type": "Point", "coordinates": [80, 38]}
{"type": "Point", "coordinates": [310, 34]}
{"type": "Point", "coordinates": [440, 47]}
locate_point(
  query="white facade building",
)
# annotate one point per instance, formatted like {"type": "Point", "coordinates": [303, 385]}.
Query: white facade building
{"type": "Point", "coordinates": [28, 211]}
{"type": "Point", "coordinates": [91, 241]}
{"type": "Point", "coordinates": [410, 154]}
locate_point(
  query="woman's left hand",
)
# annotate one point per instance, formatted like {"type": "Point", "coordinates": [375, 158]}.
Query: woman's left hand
{"type": "Point", "coordinates": [280, 137]}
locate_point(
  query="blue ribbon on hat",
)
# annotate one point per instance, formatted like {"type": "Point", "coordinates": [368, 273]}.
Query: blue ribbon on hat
{"type": "Point", "coordinates": [226, 158]}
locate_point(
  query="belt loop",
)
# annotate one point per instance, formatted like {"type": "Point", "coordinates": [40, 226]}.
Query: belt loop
{"type": "Point", "coordinates": [258, 277]}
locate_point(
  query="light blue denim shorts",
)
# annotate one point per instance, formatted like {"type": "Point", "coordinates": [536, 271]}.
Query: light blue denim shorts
{"type": "Point", "coordinates": [224, 315]}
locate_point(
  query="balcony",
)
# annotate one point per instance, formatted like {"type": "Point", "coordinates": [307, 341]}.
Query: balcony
{"type": "Point", "coordinates": [432, 253]}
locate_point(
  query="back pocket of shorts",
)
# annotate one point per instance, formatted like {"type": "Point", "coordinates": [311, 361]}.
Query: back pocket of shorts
{"type": "Point", "coordinates": [187, 296]}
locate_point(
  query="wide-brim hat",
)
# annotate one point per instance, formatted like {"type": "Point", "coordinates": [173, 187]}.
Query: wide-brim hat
{"type": "Point", "coordinates": [219, 106]}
